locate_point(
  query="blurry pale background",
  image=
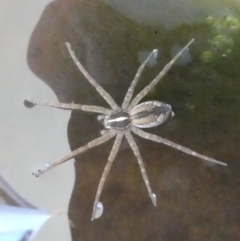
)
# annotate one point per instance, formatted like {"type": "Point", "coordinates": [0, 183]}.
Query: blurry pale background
{"type": "Point", "coordinates": [31, 137]}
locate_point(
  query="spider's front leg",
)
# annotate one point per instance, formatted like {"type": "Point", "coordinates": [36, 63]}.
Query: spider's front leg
{"type": "Point", "coordinates": [91, 80]}
{"type": "Point", "coordinates": [107, 136]}
{"type": "Point", "coordinates": [68, 106]}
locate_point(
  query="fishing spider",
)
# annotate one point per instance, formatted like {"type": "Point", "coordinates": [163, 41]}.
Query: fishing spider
{"type": "Point", "coordinates": [121, 121]}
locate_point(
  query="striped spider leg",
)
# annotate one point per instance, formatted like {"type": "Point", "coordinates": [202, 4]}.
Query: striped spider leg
{"type": "Point", "coordinates": [120, 122]}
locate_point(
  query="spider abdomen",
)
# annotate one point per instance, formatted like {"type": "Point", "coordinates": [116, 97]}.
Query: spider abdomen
{"type": "Point", "coordinates": [150, 113]}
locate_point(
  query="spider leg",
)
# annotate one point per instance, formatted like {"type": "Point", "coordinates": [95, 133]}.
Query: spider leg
{"type": "Point", "coordinates": [92, 81]}
{"type": "Point", "coordinates": [159, 139]}
{"type": "Point", "coordinates": [111, 158]}
{"type": "Point", "coordinates": [72, 106]}
{"type": "Point", "coordinates": [84, 148]}
{"type": "Point", "coordinates": [149, 87]}
{"type": "Point", "coordinates": [136, 152]}
{"type": "Point", "coordinates": [135, 80]}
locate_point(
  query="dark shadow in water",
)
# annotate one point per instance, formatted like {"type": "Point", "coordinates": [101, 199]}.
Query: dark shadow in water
{"type": "Point", "coordinates": [196, 201]}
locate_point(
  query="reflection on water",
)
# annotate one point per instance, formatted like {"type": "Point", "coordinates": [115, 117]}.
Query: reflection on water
{"type": "Point", "coordinates": [196, 201]}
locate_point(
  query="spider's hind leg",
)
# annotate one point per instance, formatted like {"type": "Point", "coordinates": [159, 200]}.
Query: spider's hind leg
{"type": "Point", "coordinates": [186, 150]}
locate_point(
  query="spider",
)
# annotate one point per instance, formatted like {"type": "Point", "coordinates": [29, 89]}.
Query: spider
{"type": "Point", "coordinates": [121, 121]}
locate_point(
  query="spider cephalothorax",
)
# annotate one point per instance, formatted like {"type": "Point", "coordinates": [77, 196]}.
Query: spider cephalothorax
{"type": "Point", "coordinates": [118, 120]}
{"type": "Point", "coordinates": [122, 121]}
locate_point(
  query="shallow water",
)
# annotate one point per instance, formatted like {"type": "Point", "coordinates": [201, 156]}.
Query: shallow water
{"type": "Point", "coordinates": [196, 200]}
